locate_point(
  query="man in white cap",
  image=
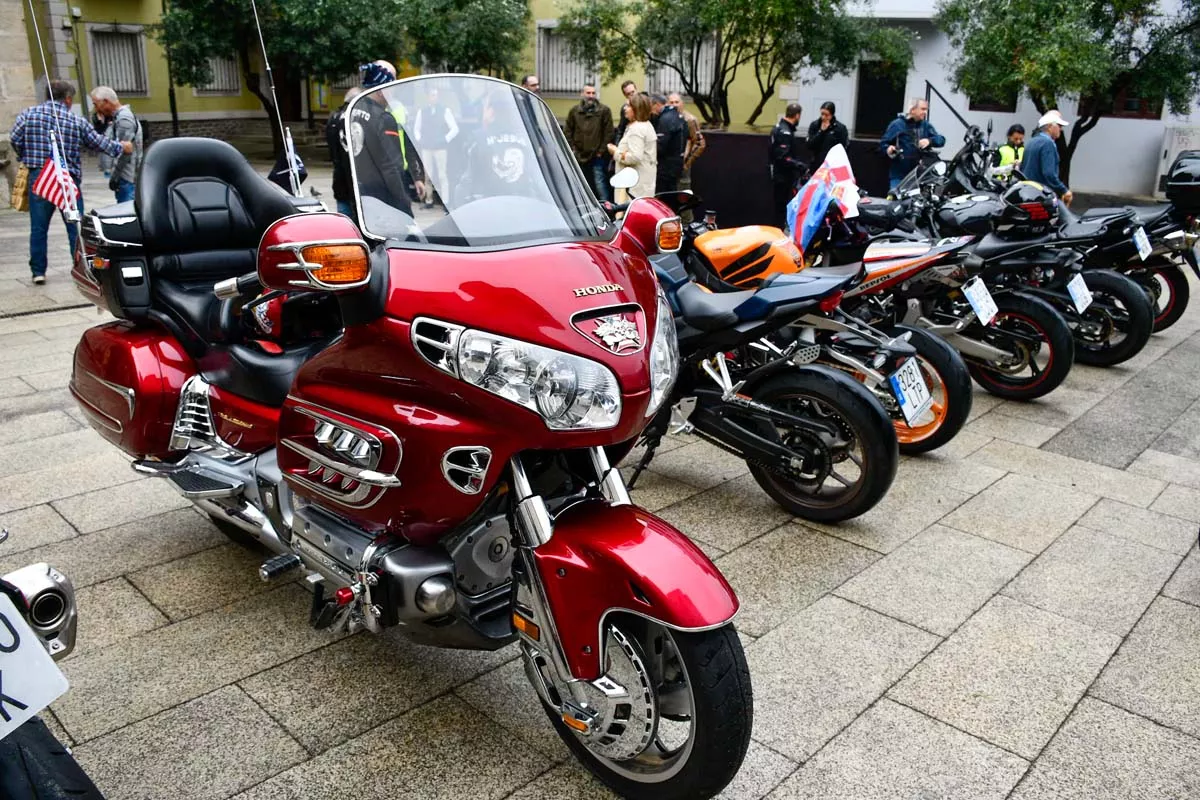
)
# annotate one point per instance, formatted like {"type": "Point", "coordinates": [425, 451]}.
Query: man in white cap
{"type": "Point", "coordinates": [1040, 163]}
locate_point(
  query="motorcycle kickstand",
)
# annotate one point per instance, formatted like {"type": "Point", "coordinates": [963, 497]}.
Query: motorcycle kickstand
{"type": "Point", "coordinates": [644, 461]}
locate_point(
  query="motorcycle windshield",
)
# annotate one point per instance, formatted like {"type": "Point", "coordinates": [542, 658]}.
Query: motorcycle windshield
{"type": "Point", "coordinates": [465, 162]}
{"type": "Point", "coordinates": [921, 174]}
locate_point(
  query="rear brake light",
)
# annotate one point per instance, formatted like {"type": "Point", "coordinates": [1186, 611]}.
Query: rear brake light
{"type": "Point", "coordinates": [99, 262]}
{"type": "Point", "coordinates": [832, 302]}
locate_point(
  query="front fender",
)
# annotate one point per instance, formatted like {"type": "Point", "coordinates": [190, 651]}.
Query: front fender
{"type": "Point", "coordinates": [623, 558]}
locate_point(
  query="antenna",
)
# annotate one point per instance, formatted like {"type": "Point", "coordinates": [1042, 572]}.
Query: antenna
{"type": "Point", "coordinates": [284, 133]}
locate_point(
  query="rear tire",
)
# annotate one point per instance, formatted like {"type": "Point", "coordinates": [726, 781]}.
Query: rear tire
{"type": "Point", "coordinates": [1133, 320]}
{"type": "Point", "coordinates": [941, 364]}
{"type": "Point", "coordinates": [716, 669]}
{"type": "Point", "coordinates": [1030, 316]}
{"type": "Point", "coordinates": [36, 766]}
{"type": "Point", "coordinates": [1167, 284]}
{"type": "Point", "coordinates": [869, 425]}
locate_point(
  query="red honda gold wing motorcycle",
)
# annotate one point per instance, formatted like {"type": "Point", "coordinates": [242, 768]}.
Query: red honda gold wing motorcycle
{"type": "Point", "coordinates": [422, 430]}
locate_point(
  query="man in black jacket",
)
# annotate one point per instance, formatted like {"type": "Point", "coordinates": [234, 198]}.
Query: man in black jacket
{"type": "Point", "coordinates": [786, 165]}
{"type": "Point", "coordinates": [343, 191]}
{"type": "Point", "coordinates": [672, 138]}
{"type": "Point", "coordinates": [377, 157]}
{"type": "Point", "coordinates": [824, 133]}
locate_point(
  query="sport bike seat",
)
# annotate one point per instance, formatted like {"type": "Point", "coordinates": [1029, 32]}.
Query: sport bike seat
{"type": "Point", "coordinates": [203, 210]}
{"type": "Point", "coordinates": [1143, 215]}
{"type": "Point", "coordinates": [707, 311]}
{"type": "Point", "coordinates": [992, 246]}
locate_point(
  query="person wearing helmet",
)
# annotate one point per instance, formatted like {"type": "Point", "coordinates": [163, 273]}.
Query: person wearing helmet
{"type": "Point", "coordinates": [377, 144]}
{"type": "Point", "coordinates": [1040, 163]}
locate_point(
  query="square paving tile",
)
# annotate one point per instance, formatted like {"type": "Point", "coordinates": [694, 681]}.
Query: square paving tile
{"type": "Point", "coordinates": [403, 675]}
{"type": "Point", "coordinates": [440, 751]}
{"type": "Point", "coordinates": [1021, 512]}
{"type": "Point", "coordinates": [203, 581]}
{"type": "Point", "coordinates": [908, 508]}
{"type": "Point", "coordinates": [1013, 429]}
{"type": "Point", "coordinates": [112, 612]}
{"type": "Point", "coordinates": [1104, 752]}
{"type": "Point", "coordinates": [1140, 525]}
{"type": "Point", "coordinates": [567, 780]}
{"type": "Point", "coordinates": [937, 579]}
{"type": "Point", "coordinates": [57, 450]}
{"type": "Point", "coordinates": [1156, 672]}
{"type": "Point", "coordinates": [654, 492]}
{"type": "Point", "coordinates": [116, 505]}
{"type": "Point", "coordinates": [207, 749]}
{"type": "Point", "coordinates": [1070, 473]}
{"type": "Point", "coordinates": [941, 469]}
{"type": "Point", "coordinates": [1009, 675]}
{"type": "Point", "coordinates": [815, 674]}
{"type": "Point", "coordinates": [1096, 579]}
{"type": "Point", "coordinates": [51, 483]}
{"type": "Point", "coordinates": [36, 426]}
{"type": "Point", "coordinates": [157, 670]}
{"type": "Point", "coordinates": [1059, 408]}
{"type": "Point", "coordinates": [892, 751]}
{"type": "Point", "coordinates": [505, 695]}
{"type": "Point", "coordinates": [33, 527]}
{"type": "Point", "coordinates": [1185, 583]}
{"type": "Point", "coordinates": [728, 515]}
{"type": "Point", "coordinates": [12, 387]}
{"type": "Point", "coordinates": [785, 571]}
{"type": "Point", "coordinates": [1167, 468]}
{"type": "Point", "coordinates": [1179, 501]}
{"type": "Point", "coordinates": [700, 465]}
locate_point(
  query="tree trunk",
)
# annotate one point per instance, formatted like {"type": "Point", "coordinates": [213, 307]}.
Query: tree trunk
{"type": "Point", "coordinates": [252, 83]}
{"type": "Point", "coordinates": [765, 95]}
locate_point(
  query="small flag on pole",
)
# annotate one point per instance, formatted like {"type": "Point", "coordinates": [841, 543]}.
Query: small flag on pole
{"type": "Point", "coordinates": [832, 182]}
{"type": "Point", "coordinates": [54, 182]}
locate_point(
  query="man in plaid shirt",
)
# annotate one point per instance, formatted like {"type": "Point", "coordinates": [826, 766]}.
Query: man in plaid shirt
{"type": "Point", "coordinates": [31, 141]}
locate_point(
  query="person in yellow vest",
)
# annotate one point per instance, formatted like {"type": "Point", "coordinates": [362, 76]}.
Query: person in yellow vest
{"type": "Point", "coordinates": [1012, 151]}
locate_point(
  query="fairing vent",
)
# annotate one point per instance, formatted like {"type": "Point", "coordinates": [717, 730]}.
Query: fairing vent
{"type": "Point", "coordinates": [193, 428]}
{"type": "Point", "coordinates": [465, 468]}
{"type": "Point", "coordinates": [436, 342]}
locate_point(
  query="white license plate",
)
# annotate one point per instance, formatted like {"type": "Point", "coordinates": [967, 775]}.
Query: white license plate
{"type": "Point", "coordinates": [911, 391]}
{"type": "Point", "coordinates": [1142, 242]}
{"type": "Point", "coordinates": [29, 678]}
{"type": "Point", "coordinates": [1081, 295]}
{"type": "Point", "coordinates": [981, 300]}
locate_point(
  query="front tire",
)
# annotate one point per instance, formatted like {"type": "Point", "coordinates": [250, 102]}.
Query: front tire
{"type": "Point", "coordinates": [1042, 341]}
{"type": "Point", "coordinates": [34, 765]}
{"type": "Point", "coordinates": [720, 716]}
{"type": "Point", "coordinates": [946, 374]}
{"type": "Point", "coordinates": [1167, 284]}
{"type": "Point", "coordinates": [823, 393]}
{"type": "Point", "coordinates": [1118, 323]}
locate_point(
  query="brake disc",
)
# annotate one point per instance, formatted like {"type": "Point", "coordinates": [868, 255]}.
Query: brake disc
{"type": "Point", "coordinates": [624, 699]}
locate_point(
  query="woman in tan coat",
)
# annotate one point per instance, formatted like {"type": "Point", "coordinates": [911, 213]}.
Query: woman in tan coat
{"type": "Point", "coordinates": [638, 147]}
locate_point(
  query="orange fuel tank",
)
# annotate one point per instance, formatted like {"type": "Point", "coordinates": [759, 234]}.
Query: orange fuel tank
{"type": "Point", "coordinates": [747, 256]}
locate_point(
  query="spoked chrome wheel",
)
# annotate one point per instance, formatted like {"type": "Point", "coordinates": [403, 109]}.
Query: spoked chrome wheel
{"type": "Point", "coordinates": [673, 711]}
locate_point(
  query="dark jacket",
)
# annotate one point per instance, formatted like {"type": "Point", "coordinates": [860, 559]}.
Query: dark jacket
{"type": "Point", "coordinates": [820, 142]}
{"type": "Point", "coordinates": [672, 138]}
{"type": "Point", "coordinates": [342, 190]}
{"type": "Point", "coordinates": [378, 160]}
{"type": "Point", "coordinates": [905, 133]}
{"type": "Point", "coordinates": [1040, 163]}
{"type": "Point", "coordinates": [786, 164]}
{"type": "Point", "coordinates": [589, 128]}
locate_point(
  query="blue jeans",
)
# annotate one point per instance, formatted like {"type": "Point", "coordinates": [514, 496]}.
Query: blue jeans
{"type": "Point", "coordinates": [124, 191]}
{"type": "Point", "coordinates": [599, 175]}
{"type": "Point", "coordinates": [345, 208]}
{"type": "Point", "coordinates": [40, 213]}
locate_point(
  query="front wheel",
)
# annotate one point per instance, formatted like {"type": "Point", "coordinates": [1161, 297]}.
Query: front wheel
{"type": "Point", "coordinates": [949, 383]}
{"type": "Point", "coordinates": [1117, 324]}
{"type": "Point", "coordinates": [840, 474]}
{"type": "Point", "coordinates": [1038, 341]}
{"type": "Point", "coordinates": [681, 727]}
{"type": "Point", "coordinates": [1167, 284]}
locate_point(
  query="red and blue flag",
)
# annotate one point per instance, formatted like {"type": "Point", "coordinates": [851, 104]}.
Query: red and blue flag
{"type": "Point", "coordinates": [832, 182]}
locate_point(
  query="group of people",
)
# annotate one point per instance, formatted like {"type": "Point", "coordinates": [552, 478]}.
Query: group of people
{"type": "Point", "coordinates": [115, 133]}
{"type": "Point", "coordinates": [787, 165]}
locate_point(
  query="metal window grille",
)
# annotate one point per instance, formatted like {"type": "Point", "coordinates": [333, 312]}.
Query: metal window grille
{"type": "Point", "coordinates": [347, 82]}
{"type": "Point", "coordinates": [118, 61]}
{"type": "Point", "coordinates": [665, 80]}
{"type": "Point", "coordinates": [226, 77]}
{"type": "Point", "coordinates": [556, 70]}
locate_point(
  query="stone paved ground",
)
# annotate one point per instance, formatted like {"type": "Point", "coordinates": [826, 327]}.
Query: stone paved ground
{"type": "Point", "coordinates": [1019, 618]}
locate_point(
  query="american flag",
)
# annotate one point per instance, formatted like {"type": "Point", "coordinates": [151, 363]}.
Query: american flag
{"type": "Point", "coordinates": [54, 183]}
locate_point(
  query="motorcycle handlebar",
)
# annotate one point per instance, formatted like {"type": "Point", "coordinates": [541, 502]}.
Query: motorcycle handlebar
{"type": "Point", "coordinates": [236, 287]}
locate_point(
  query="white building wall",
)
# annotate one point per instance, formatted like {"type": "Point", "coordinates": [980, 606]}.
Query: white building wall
{"type": "Point", "coordinates": [1120, 156]}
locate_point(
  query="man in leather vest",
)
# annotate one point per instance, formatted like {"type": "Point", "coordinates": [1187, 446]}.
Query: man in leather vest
{"type": "Point", "coordinates": [785, 162]}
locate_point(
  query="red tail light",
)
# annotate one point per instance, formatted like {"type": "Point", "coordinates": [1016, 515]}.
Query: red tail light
{"type": "Point", "coordinates": [1037, 212]}
{"type": "Point", "coordinates": [832, 302]}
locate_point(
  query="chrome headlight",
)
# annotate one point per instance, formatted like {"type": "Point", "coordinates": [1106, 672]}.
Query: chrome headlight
{"type": "Point", "coordinates": [664, 356]}
{"type": "Point", "coordinates": [567, 391]}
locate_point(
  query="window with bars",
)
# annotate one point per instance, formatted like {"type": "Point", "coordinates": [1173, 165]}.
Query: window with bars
{"type": "Point", "coordinates": [347, 82]}
{"type": "Point", "coordinates": [226, 77]}
{"type": "Point", "coordinates": [665, 80]}
{"type": "Point", "coordinates": [556, 70]}
{"type": "Point", "coordinates": [119, 60]}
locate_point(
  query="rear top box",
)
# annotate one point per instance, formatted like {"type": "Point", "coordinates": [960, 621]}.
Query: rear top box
{"type": "Point", "coordinates": [1183, 182]}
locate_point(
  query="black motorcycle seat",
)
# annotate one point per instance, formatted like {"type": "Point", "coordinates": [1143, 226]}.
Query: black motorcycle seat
{"type": "Point", "coordinates": [1083, 228]}
{"type": "Point", "coordinates": [249, 372]}
{"type": "Point", "coordinates": [851, 270]}
{"type": "Point", "coordinates": [1144, 215]}
{"type": "Point", "coordinates": [707, 311]}
{"type": "Point", "coordinates": [991, 245]}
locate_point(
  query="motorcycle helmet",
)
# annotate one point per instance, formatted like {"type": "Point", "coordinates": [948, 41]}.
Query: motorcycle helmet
{"type": "Point", "coordinates": [1028, 209]}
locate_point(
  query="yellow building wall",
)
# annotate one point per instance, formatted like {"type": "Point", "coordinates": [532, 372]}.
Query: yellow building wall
{"type": "Point", "coordinates": [743, 94]}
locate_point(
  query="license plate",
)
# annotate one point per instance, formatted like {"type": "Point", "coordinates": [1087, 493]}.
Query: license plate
{"type": "Point", "coordinates": [911, 391]}
{"type": "Point", "coordinates": [1142, 242]}
{"type": "Point", "coordinates": [1081, 296]}
{"type": "Point", "coordinates": [29, 678]}
{"type": "Point", "coordinates": [981, 300]}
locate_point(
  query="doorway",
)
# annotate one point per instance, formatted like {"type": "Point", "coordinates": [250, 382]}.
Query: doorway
{"type": "Point", "coordinates": [880, 99]}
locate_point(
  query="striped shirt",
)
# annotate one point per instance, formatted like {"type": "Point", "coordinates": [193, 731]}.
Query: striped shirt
{"type": "Point", "coordinates": [30, 137]}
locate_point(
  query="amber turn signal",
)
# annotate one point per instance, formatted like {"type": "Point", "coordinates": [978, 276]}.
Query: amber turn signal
{"type": "Point", "coordinates": [526, 627]}
{"type": "Point", "coordinates": [340, 263]}
{"type": "Point", "coordinates": [670, 235]}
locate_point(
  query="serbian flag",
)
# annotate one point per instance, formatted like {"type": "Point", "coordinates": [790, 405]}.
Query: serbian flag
{"type": "Point", "coordinates": [833, 182]}
{"type": "Point", "coordinates": [54, 183]}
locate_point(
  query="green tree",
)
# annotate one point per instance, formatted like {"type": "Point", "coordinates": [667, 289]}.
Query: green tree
{"type": "Point", "coordinates": [323, 39]}
{"type": "Point", "coordinates": [1093, 50]}
{"type": "Point", "coordinates": [708, 41]}
{"type": "Point", "coordinates": [469, 35]}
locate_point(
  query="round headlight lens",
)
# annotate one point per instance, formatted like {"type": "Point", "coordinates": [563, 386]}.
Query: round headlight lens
{"type": "Point", "coordinates": [555, 388]}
